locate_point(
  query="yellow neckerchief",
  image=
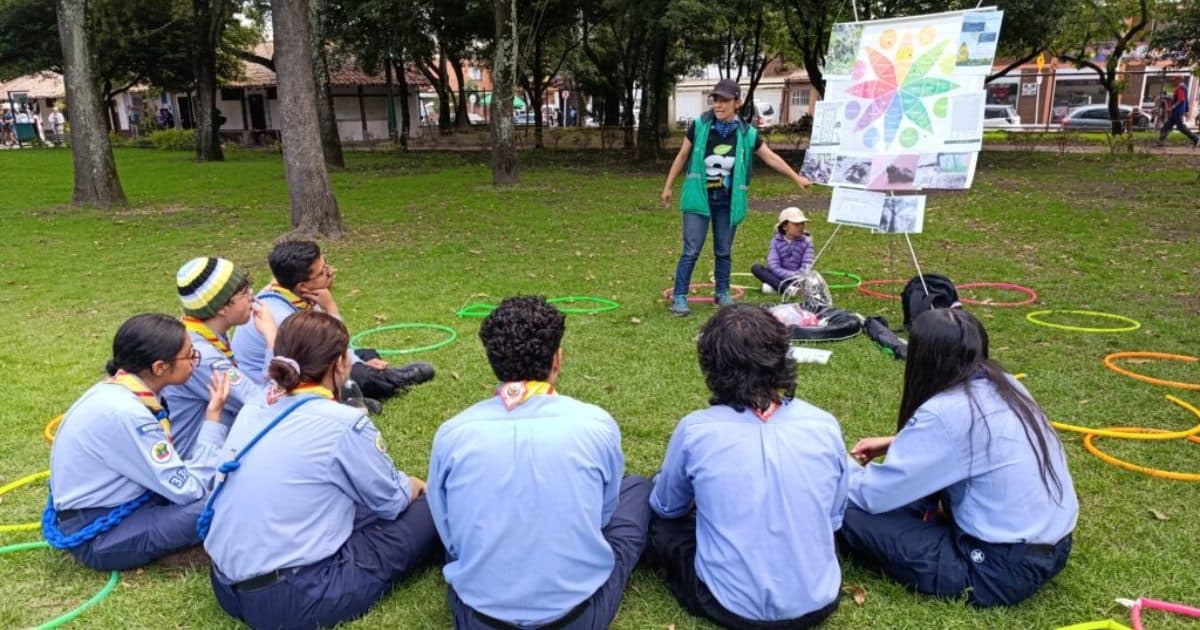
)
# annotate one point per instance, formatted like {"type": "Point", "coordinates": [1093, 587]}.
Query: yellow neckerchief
{"type": "Point", "coordinates": [275, 392]}
{"type": "Point", "coordinates": [766, 415]}
{"type": "Point", "coordinates": [198, 326]}
{"type": "Point", "coordinates": [514, 393]}
{"type": "Point", "coordinates": [145, 396]}
{"type": "Point", "coordinates": [295, 300]}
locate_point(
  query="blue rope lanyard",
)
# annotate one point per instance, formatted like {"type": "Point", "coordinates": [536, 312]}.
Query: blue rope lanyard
{"type": "Point", "coordinates": [224, 470]}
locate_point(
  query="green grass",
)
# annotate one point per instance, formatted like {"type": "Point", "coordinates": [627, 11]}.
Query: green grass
{"type": "Point", "coordinates": [427, 234]}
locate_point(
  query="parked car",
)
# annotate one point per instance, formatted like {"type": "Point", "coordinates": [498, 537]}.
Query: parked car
{"type": "Point", "coordinates": [524, 118]}
{"type": "Point", "coordinates": [1096, 118]}
{"type": "Point", "coordinates": [1000, 117]}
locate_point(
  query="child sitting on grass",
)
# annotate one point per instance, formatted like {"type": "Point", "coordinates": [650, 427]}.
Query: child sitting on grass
{"type": "Point", "coordinates": [791, 252]}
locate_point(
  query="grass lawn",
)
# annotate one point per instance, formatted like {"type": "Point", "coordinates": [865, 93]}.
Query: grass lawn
{"type": "Point", "coordinates": [428, 234]}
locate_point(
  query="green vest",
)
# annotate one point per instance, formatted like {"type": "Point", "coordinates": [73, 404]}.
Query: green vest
{"type": "Point", "coordinates": [694, 197]}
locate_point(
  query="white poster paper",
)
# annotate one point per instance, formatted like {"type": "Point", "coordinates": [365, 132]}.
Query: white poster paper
{"type": "Point", "coordinates": [860, 208]}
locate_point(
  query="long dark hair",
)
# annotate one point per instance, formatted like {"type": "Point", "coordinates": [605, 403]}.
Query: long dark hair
{"type": "Point", "coordinates": [743, 353]}
{"type": "Point", "coordinates": [315, 341]}
{"type": "Point", "coordinates": [947, 349]}
{"type": "Point", "coordinates": [144, 339]}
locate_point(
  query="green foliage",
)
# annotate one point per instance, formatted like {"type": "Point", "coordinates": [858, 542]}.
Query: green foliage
{"type": "Point", "coordinates": [174, 139]}
{"type": "Point", "coordinates": [1177, 35]}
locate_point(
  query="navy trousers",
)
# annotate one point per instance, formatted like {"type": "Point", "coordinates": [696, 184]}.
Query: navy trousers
{"type": "Point", "coordinates": [625, 533]}
{"type": "Point", "coordinates": [158, 528]}
{"type": "Point", "coordinates": [933, 556]}
{"type": "Point", "coordinates": [673, 548]}
{"type": "Point", "coordinates": [765, 275]}
{"type": "Point", "coordinates": [379, 554]}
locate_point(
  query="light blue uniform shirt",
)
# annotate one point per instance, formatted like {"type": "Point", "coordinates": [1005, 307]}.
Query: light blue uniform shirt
{"type": "Point", "coordinates": [250, 347]}
{"type": "Point", "coordinates": [768, 496]}
{"type": "Point", "coordinates": [110, 449]}
{"type": "Point", "coordinates": [293, 500]}
{"type": "Point", "coordinates": [189, 402]}
{"type": "Point", "coordinates": [990, 474]}
{"type": "Point", "coordinates": [519, 499]}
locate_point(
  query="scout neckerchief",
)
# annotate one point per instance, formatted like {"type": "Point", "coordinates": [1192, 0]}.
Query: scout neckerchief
{"type": "Point", "coordinates": [293, 299]}
{"type": "Point", "coordinates": [200, 328]}
{"type": "Point", "coordinates": [147, 398]}
{"type": "Point", "coordinates": [766, 415]}
{"type": "Point", "coordinates": [514, 393]}
{"type": "Point", "coordinates": [275, 392]}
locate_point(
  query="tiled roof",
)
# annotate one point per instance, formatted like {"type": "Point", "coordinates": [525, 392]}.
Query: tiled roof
{"type": "Point", "coordinates": [40, 85]}
{"type": "Point", "coordinates": [343, 71]}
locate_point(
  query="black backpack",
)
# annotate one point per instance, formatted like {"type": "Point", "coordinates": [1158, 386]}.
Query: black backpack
{"type": "Point", "coordinates": [914, 299]}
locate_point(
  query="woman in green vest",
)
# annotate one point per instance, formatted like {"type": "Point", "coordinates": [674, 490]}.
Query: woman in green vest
{"type": "Point", "coordinates": [719, 150]}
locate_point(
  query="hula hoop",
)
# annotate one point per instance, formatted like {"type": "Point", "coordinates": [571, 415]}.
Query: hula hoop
{"type": "Point", "coordinates": [9, 487]}
{"type": "Point", "coordinates": [451, 336]}
{"type": "Point", "coordinates": [1103, 624]}
{"type": "Point", "coordinates": [113, 577]}
{"type": "Point", "coordinates": [476, 309]}
{"type": "Point", "coordinates": [1147, 436]}
{"type": "Point", "coordinates": [842, 274]}
{"type": "Point", "coordinates": [1031, 295]}
{"type": "Point", "coordinates": [605, 305]}
{"type": "Point", "coordinates": [735, 293]}
{"type": "Point", "coordinates": [1110, 362]}
{"type": "Point", "coordinates": [52, 428]}
{"type": "Point", "coordinates": [736, 274]}
{"type": "Point", "coordinates": [1133, 323]}
{"type": "Point", "coordinates": [1088, 443]}
{"type": "Point", "coordinates": [862, 288]}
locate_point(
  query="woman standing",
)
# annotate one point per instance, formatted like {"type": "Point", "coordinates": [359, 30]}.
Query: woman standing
{"type": "Point", "coordinates": [971, 441]}
{"type": "Point", "coordinates": [719, 152]}
{"type": "Point", "coordinates": [313, 523]}
{"type": "Point", "coordinates": [120, 495]}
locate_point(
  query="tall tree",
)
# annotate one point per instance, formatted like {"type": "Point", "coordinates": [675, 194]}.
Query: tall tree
{"type": "Point", "coordinates": [550, 39]}
{"type": "Point", "coordinates": [209, 18]}
{"type": "Point", "coordinates": [96, 182]}
{"type": "Point", "coordinates": [331, 140]}
{"type": "Point", "coordinates": [1115, 23]}
{"type": "Point", "coordinates": [1177, 35]}
{"type": "Point", "coordinates": [314, 208]}
{"type": "Point", "coordinates": [505, 168]}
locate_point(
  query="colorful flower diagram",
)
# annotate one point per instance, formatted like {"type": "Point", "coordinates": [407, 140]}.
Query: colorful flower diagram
{"type": "Point", "coordinates": [905, 64]}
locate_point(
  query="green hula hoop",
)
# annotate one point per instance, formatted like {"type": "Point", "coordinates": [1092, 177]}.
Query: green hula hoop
{"type": "Point", "coordinates": [842, 274]}
{"type": "Point", "coordinates": [70, 615]}
{"type": "Point", "coordinates": [605, 305]}
{"type": "Point", "coordinates": [384, 352]}
{"type": "Point", "coordinates": [1133, 323]}
{"type": "Point", "coordinates": [476, 309]}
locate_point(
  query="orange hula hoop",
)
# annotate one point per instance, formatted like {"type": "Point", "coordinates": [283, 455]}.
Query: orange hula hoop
{"type": "Point", "coordinates": [1110, 362]}
{"type": "Point", "coordinates": [1088, 443]}
{"type": "Point", "coordinates": [51, 429]}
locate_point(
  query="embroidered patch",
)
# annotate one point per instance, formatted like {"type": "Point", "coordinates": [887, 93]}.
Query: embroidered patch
{"type": "Point", "coordinates": [235, 376]}
{"type": "Point", "coordinates": [160, 452]}
{"type": "Point", "coordinates": [149, 427]}
{"type": "Point", "coordinates": [380, 444]}
{"type": "Point", "coordinates": [511, 394]}
{"type": "Point", "coordinates": [360, 425]}
{"type": "Point", "coordinates": [977, 556]}
{"type": "Point", "coordinates": [179, 478]}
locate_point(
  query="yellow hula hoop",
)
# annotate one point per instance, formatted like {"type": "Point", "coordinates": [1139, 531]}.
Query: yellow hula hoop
{"type": "Point", "coordinates": [9, 487]}
{"type": "Point", "coordinates": [1145, 470]}
{"type": "Point", "coordinates": [1133, 324]}
{"type": "Point", "coordinates": [1149, 436]}
{"type": "Point", "coordinates": [51, 429]}
{"type": "Point", "coordinates": [1110, 362]}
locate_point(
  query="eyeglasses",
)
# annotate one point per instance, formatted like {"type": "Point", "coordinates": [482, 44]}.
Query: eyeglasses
{"type": "Point", "coordinates": [244, 292]}
{"type": "Point", "coordinates": [326, 271]}
{"type": "Point", "coordinates": [194, 358]}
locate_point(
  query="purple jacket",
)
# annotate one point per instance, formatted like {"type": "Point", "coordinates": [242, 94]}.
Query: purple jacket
{"type": "Point", "coordinates": [788, 258]}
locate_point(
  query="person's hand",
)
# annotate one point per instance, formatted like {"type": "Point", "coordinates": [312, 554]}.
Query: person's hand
{"type": "Point", "coordinates": [218, 393]}
{"type": "Point", "coordinates": [666, 196]}
{"type": "Point", "coordinates": [378, 364]}
{"type": "Point", "coordinates": [264, 322]}
{"type": "Point", "coordinates": [418, 486]}
{"type": "Point", "coordinates": [322, 298]}
{"type": "Point", "coordinates": [803, 181]}
{"type": "Point", "coordinates": [870, 448]}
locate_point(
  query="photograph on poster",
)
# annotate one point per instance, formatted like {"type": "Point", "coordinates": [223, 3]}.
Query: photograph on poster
{"type": "Point", "coordinates": [818, 167]}
{"type": "Point", "coordinates": [902, 215]}
{"type": "Point", "coordinates": [947, 171]}
{"type": "Point", "coordinates": [860, 208]}
{"type": "Point", "coordinates": [893, 172]}
{"type": "Point", "coordinates": [843, 48]}
{"type": "Point", "coordinates": [851, 170]}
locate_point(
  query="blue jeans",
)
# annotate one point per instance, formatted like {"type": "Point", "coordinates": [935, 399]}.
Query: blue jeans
{"type": "Point", "coordinates": [695, 228]}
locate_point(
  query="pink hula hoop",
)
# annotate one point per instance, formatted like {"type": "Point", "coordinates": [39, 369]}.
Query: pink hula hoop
{"type": "Point", "coordinates": [1030, 293]}
{"type": "Point", "coordinates": [862, 288]}
{"type": "Point", "coordinates": [735, 292]}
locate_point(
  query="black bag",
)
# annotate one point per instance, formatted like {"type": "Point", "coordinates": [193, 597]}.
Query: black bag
{"type": "Point", "coordinates": [914, 299]}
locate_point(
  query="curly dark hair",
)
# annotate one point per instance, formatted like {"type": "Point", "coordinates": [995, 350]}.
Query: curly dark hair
{"type": "Point", "coordinates": [521, 337]}
{"type": "Point", "coordinates": [291, 261]}
{"type": "Point", "coordinates": [743, 353]}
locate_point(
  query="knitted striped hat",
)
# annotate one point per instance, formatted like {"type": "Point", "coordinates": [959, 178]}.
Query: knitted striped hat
{"type": "Point", "coordinates": [207, 284]}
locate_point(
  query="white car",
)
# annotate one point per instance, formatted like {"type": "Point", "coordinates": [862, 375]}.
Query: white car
{"type": "Point", "coordinates": [1000, 117]}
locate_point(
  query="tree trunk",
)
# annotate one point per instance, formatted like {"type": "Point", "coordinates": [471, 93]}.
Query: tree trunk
{"type": "Point", "coordinates": [653, 94]}
{"type": "Point", "coordinates": [391, 100]}
{"type": "Point", "coordinates": [331, 140]}
{"type": "Point", "coordinates": [505, 169]}
{"type": "Point", "coordinates": [461, 120]}
{"type": "Point", "coordinates": [314, 208]}
{"type": "Point", "coordinates": [209, 17]}
{"type": "Point", "coordinates": [96, 182]}
{"type": "Point", "coordinates": [405, 113]}
{"type": "Point", "coordinates": [443, 90]}
{"type": "Point", "coordinates": [535, 97]}
{"type": "Point", "coordinates": [627, 118]}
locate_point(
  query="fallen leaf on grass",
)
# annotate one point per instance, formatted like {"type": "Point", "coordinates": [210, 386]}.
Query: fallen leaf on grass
{"type": "Point", "coordinates": [1159, 515]}
{"type": "Point", "coordinates": [380, 318]}
{"type": "Point", "coordinates": [455, 375]}
{"type": "Point", "coordinates": [634, 320]}
{"type": "Point", "coordinates": [857, 592]}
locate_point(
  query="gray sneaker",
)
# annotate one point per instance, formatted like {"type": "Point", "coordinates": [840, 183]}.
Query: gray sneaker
{"type": "Point", "coordinates": [723, 299]}
{"type": "Point", "coordinates": [679, 306]}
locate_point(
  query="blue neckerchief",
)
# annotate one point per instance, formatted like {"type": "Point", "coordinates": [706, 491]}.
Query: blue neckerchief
{"type": "Point", "coordinates": [725, 129]}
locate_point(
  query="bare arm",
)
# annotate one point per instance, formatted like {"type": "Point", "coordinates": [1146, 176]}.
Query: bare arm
{"type": "Point", "coordinates": [676, 168]}
{"type": "Point", "coordinates": [773, 160]}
